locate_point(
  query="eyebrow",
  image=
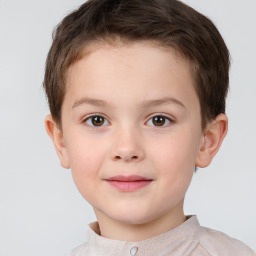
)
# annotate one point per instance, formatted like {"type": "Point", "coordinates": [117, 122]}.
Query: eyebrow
{"type": "Point", "coordinates": [95, 102]}
{"type": "Point", "coordinates": [163, 101]}
{"type": "Point", "coordinates": [145, 103]}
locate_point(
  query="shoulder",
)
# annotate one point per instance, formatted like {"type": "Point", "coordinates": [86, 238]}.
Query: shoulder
{"type": "Point", "coordinates": [81, 250]}
{"type": "Point", "coordinates": [217, 243]}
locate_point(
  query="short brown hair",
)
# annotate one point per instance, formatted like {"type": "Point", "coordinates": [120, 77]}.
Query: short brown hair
{"type": "Point", "coordinates": [170, 23]}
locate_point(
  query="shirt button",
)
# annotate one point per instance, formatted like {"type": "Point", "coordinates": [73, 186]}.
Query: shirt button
{"type": "Point", "coordinates": [133, 251]}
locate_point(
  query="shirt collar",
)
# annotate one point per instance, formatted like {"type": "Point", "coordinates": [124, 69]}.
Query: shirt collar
{"type": "Point", "coordinates": [166, 242]}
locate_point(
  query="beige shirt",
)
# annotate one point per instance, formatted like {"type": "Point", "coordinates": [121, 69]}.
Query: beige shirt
{"type": "Point", "coordinates": [187, 239]}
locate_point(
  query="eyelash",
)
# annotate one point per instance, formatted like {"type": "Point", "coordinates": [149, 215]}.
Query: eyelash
{"type": "Point", "coordinates": [166, 119]}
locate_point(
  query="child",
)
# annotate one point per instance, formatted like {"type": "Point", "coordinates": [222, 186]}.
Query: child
{"type": "Point", "coordinates": [137, 92]}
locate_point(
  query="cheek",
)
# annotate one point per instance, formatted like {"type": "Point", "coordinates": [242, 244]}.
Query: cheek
{"type": "Point", "coordinates": [174, 152]}
{"type": "Point", "coordinates": [84, 151]}
{"type": "Point", "coordinates": [85, 157]}
{"type": "Point", "coordinates": [175, 169]}
{"type": "Point", "coordinates": [174, 159]}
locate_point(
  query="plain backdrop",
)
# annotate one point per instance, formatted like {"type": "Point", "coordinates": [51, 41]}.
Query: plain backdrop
{"type": "Point", "coordinates": [41, 211]}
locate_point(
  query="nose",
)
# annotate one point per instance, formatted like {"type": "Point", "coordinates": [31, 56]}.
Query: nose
{"type": "Point", "coordinates": [127, 146]}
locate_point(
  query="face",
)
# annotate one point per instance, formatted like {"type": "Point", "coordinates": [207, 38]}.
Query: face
{"type": "Point", "coordinates": [131, 130]}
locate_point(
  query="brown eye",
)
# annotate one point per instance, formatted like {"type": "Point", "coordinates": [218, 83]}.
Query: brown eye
{"type": "Point", "coordinates": [159, 121]}
{"type": "Point", "coordinates": [96, 121]}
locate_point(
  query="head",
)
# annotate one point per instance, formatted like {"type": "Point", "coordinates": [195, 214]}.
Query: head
{"type": "Point", "coordinates": [169, 24]}
{"type": "Point", "coordinates": [136, 88]}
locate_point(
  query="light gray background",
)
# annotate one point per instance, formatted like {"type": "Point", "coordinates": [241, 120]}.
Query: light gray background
{"type": "Point", "coordinates": [41, 212]}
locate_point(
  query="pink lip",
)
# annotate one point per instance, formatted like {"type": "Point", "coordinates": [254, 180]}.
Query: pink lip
{"type": "Point", "coordinates": [128, 183]}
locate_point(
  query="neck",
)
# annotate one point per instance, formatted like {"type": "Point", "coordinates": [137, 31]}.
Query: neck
{"type": "Point", "coordinates": [116, 230]}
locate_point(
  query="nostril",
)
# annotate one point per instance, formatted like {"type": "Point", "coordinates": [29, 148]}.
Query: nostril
{"type": "Point", "coordinates": [126, 158]}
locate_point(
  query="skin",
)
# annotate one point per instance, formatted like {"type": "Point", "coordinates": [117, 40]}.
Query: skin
{"type": "Point", "coordinates": [128, 142]}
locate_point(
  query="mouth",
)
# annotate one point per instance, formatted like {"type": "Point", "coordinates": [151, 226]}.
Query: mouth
{"type": "Point", "coordinates": [128, 183]}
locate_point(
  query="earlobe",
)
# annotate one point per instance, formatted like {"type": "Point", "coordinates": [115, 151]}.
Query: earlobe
{"type": "Point", "coordinates": [212, 139]}
{"type": "Point", "coordinates": [56, 136]}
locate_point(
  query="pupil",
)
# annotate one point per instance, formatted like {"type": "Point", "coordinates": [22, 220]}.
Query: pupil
{"type": "Point", "coordinates": [158, 120]}
{"type": "Point", "coordinates": [97, 120]}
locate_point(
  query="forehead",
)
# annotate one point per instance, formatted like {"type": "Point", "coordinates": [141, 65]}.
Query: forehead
{"type": "Point", "coordinates": [126, 48]}
{"type": "Point", "coordinates": [137, 69]}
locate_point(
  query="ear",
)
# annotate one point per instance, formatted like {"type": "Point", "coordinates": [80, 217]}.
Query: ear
{"type": "Point", "coordinates": [212, 139]}
{"type": "Point", "coordinates": [56, 136]}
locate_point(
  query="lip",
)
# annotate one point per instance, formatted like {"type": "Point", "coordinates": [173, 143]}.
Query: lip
{"type": "Point", "coordinates": [128, 183]}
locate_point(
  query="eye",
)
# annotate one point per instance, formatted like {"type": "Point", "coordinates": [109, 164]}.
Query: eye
{"type": "Point", "coordinates": [159, 120]}
{"type": "Point", "coordinates": [96, 121]}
